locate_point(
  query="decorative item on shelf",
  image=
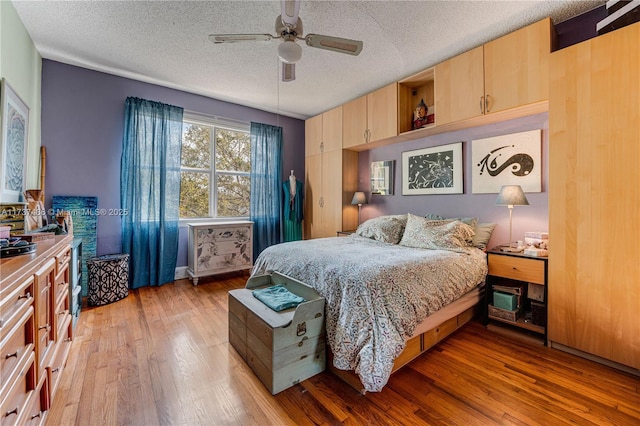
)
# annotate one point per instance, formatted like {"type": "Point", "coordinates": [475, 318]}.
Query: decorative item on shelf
{"type": "Point", "coordinates": [511, 195]}
{"type": "Point", "coordinates": [359, 198]}
{"type": "Point", "coordinates": [420, 115]}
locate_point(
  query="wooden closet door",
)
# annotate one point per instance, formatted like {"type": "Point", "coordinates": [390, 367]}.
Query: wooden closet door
{"type": "Point", "coordinates": [594, 196]}
{"type": "Point", "coordinates": [312, 193]}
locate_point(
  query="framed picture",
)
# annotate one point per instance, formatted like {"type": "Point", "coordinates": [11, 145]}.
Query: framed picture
{"type": "Point", "coordinates": [513, 159]}
{"type": "Point", "coordinates": [436, 170]}
{"type": "Point", "coordinates": [14, 115]}
{"type": "Point", "coordinates": [382, 177]}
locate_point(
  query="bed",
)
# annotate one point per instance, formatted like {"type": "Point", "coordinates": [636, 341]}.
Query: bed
{"type": "Point", "coordinates": [381, 285]}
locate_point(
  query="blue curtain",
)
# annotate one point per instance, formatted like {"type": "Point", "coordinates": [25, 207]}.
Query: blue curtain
{"type": "Point", "coordinates": [150, 190]}
{"type": "Point", "coordinates": [266, 186]}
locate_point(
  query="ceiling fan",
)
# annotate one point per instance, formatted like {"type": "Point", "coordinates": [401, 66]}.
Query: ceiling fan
{"type": "Point", "coordinates": [289, 28]}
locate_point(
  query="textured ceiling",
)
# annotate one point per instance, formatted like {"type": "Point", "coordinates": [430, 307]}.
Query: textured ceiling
{"type": "Point", "coordinates": [165, 42]}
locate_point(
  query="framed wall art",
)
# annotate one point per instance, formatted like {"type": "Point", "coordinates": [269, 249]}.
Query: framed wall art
{"type": "Point", "coordinates": [435, 170]}
{"type": "Point", "coordinates": [382, 173]}
{"type": "Point", "coordinates": [14, 120]}
{"type": "Point", "coordinates": [513, 159]}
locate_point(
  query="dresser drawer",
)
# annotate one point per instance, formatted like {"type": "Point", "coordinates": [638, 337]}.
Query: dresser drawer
{"type": "Point", "coordinates": [36, 412]}
{"type": "Point", "coordinates": [62, 259]}
{"type": "Point", "coordinates": [61, 285]}
{"type": "Point", "coordinates": [516, 268]}
{"type": "Point", "coordinates": [16, 345]}
{"type": "Point", "coordinates": [17, 398]}
{"type": "Point", "coordinates": [63, 345]}
{"type": "Point", "coordinates": [14, 298]}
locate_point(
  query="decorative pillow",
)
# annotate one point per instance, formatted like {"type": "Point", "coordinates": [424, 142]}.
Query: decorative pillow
{"type": "Point", "coordinates": [482, 235]}
{"type": "Point", "coordinates": [436, 234]}
{"type": "Point", "coordinates": [388, 229]}
{"type": "Point", "coordinates": [471, 221]}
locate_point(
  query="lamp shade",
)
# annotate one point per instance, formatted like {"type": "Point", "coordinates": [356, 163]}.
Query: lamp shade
{"type": "Point", "coordinates": [511, 195]}
{"type": "Point", "coordinates": [359, 198]}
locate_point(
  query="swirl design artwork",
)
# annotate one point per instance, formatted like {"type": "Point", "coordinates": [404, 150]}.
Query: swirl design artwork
{"type": "Point", "coordinates": [433, 170]}
{"type": "Point", "coordinates": [520, 164]}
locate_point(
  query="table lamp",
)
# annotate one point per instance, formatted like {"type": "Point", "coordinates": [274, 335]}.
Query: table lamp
{"type": "Point", "coordinates": [359, 198]}
{"type": "Point", "coordinates": [511, 195]}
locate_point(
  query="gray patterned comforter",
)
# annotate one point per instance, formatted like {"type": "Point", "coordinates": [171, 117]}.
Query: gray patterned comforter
{"type": "Point", "coordinates": [376, 293]}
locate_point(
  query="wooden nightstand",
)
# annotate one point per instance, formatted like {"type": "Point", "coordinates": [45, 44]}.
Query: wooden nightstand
{"type": "Point", "coordinates": [345, 233]}
{"type": "Point", "coordinates": [523, 280]}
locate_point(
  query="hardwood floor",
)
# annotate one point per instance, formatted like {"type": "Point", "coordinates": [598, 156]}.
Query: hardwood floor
{"type": "Point", "coordinates": [161, 357]}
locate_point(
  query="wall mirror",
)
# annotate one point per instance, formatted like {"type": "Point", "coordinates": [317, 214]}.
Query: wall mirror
{"type": "Point", "coordinates": [382, 177]}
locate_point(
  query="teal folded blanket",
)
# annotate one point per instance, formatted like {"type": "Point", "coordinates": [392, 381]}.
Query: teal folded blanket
{"type": "Point", "coordinates": [277, 298]}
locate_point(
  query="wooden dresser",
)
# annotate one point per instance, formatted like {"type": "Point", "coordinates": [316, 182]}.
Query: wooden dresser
{"type": "Point", "coordinates": [35, 330]}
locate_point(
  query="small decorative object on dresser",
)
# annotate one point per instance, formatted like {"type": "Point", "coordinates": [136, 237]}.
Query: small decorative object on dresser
{"type": "Point", "coordinates": [219, 247]}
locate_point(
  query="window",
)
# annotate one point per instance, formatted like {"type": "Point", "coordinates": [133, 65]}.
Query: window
{"type": "Point", "coordinates": [215, 168]}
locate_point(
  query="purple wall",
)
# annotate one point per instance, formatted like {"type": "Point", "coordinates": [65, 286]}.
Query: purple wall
{"type": "Point", "coordinates": [82, 130]}
{"type": "Point", "coordinates": [534, 217]}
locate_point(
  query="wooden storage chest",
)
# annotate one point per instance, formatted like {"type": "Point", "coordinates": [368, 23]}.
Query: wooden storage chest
{"type": "Point", "coordinates": [282, 348]}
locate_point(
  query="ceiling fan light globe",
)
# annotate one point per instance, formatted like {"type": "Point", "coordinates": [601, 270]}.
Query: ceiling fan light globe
{"type": "Point", "coordinates": [289, 52]}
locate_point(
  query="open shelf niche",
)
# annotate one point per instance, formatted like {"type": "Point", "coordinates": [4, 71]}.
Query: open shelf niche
{"type": "Point", "coordinates": [410, 91]}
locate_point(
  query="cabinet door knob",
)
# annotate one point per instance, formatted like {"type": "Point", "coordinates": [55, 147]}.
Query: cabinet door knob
{"type": "Point", "coordinates": [486, 104]}
{"type": "Point", "coordinates": [15, 354]}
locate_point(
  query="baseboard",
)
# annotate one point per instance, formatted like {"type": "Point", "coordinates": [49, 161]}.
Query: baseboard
{"type": "Point", "coordinates": [181, 273]}
{"type": "Point", "coordinates": [595, 358]}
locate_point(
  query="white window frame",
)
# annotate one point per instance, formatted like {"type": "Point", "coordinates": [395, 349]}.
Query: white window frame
{"type": "Point", "coordinates": [214, 122]}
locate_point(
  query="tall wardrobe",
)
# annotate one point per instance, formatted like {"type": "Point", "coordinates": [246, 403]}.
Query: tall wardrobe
{"type": "Point", "coordinates": [594, 198]}
{"type": "Point", "coordinates": [331, 177]}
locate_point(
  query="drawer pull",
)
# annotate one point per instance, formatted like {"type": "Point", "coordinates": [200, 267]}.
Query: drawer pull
{"type": "Point", "coordinates": [318, 315]}
{"type": "Point", "coordinates": [303, 356]}
{"type": "Point", "coordinates": [301, 342]}
{"type": "Point", "coordinates": [44, 327]}
{"type": "Point", "coordinates": [24, 296]}
{"type": "Point", "coordinates": [36, 415]}
{"type": "Point", "coordinates": [62, 312]}
{"type": "Point", "coordinates": [15, 354]}
{"type": "Point", "coordinates": [301, 330]}
{"type": "Point", "coordinates": [14, 411]}
{"type": "Point", "coordinates": [55, 370]}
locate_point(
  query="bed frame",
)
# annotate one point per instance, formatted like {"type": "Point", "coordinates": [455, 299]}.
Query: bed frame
{"type": "Point", "coordinates": [415, 346]}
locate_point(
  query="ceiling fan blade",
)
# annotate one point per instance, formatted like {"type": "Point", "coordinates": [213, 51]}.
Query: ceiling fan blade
{"type": "Point", "coordinates": [235, 38]}
{"type": "Point", "coordinates": [290, 9]}
{"type": "Point", "coordinates": [288, 72]}
{"type": "Point", "coordinates": [336, 44]}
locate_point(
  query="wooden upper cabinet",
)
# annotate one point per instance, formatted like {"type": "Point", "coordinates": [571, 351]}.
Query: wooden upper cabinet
{"type": "Point", "coordinates": [354, 122]}
{"type": "Point", "coordinates": [382, 112]}
{"type": "Point", "coordinates": [323, 132]}
{"type": "Point", "coordinates": [508, 72]}
{"type": "Point", "coordinates": [312, 135]}
{"type": "Point", "coordinates": [459, 87]}
{"type": "Point", "coordinates": [332, 129]}
{"type": "Point", "coordinates": [371, 117]}
{"type": "Point", "coordinates": [516, 67]}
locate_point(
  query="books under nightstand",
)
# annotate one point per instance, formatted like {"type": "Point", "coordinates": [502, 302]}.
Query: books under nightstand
{"type": "Point", "coordinates": [517, 291]}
